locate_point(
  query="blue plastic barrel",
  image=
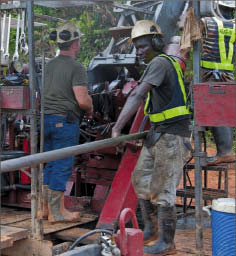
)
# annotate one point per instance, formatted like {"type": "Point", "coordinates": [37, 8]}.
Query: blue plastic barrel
{"type": "Point", "coordinates": [223, 227]}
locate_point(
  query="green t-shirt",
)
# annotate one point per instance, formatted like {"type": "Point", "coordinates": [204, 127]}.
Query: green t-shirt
{"type": "Point", "coordinates": [61, 74]}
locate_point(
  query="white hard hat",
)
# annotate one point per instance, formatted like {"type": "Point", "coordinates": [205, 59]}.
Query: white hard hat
{"type": "Point", "coordinates": [145, 27]}
{"type": "Point", "coordinates": [230, 4]}
{"type": "Point", "coordinates": [67, 32]}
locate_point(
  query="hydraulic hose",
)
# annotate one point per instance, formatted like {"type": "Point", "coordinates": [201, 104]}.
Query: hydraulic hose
{"type": "Point", "coordinates": [89, 234]}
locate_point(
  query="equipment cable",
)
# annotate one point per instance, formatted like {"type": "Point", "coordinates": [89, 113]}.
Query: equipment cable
{"type": "Point", "coordinates": [89, 234]}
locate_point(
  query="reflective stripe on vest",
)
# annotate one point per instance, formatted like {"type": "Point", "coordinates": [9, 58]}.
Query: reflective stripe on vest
{"type": "Point", "coordinates": [172, 112]}
{"type": "Point", "coordinates": [226, 63]}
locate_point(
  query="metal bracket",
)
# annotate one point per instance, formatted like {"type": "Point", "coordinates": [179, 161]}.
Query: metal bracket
{"type": "Point", "coordinates": [202, 156]}
{"type": "Point", "coordinates": [15, 5]}
{"type": "Point", "coordinates": [129, 7]}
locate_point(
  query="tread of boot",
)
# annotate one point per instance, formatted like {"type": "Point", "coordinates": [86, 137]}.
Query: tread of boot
{"type": "Point", "coordinates": [167, 252]}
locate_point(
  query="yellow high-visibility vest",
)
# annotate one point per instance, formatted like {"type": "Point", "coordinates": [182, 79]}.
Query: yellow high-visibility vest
{"type": "Point", "coordinates": [177, 108]}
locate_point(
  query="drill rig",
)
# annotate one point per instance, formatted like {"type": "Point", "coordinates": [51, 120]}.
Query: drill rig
{"type": "Point", "coordinates": [101, 179]}
{"type": "Point", "coordinates": [112, 75]}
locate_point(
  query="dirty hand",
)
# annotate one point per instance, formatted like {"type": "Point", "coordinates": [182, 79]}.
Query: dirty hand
{"type": "Point", "coordinates": [116, 133]}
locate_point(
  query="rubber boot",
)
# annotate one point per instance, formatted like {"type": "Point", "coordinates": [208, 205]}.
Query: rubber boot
{"type": "Point", "coordinates": [223, 137]}
{"type": "Point", "coordinates": [166, 232]}
{"type": "Point", "coordinates": [56, 210]}
{"type": "Point", "coordinates": [45, 202]}
{"type": "Point", "coordinates": [150, 231]}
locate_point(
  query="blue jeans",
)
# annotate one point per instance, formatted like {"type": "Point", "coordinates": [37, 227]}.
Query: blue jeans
{"type": "Point", "coordinates": [58, 133]}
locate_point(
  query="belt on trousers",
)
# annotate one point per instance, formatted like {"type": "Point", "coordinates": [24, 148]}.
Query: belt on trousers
{"type": "Point", "coordinates": [59, 115]}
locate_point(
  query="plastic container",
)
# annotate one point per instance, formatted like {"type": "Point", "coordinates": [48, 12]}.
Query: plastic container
{"type": "Point", "coordinates": [223, 221]}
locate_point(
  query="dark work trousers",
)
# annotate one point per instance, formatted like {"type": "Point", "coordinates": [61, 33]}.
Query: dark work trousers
{"type": "Point", "coordinates": [58, 133]}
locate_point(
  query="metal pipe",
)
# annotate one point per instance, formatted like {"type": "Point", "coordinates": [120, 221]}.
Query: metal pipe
{"type": "Point", "coordinates": [0, 105]}
{"type": "Point", "coordinates": [36, 224]}
{"type": "Point", "coordinates": [41, 166]}
{"type": "Point", "coordinates": [197, 146]}
{"type": "Point", "coordinates": [50, 18]}
{"type": "Point", "coordinates": [15, 187]}
{"type": "Point", "coordinates": [34, 160]}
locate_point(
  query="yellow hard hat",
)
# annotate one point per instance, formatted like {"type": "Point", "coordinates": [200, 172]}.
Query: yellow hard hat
{"type": "Point", "coordinates": [230, 4]}
{"type": "Point", "coordinates": [67, 32]}
{"type": "Point", "coordinates": [145, 27]}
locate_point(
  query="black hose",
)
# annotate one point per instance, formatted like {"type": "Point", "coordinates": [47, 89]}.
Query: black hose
{"type": "Point", "coordinates": [89, 234]}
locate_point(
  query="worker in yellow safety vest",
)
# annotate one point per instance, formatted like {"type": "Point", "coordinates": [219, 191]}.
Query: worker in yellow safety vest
{"type": "Point", "coordinates": [160, 164]}
{"type": "Point", "coordinates": [217, 65]}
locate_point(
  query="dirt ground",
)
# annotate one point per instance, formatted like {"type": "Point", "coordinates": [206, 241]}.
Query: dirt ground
{"type": "Point", "coordinates": [185, 239]}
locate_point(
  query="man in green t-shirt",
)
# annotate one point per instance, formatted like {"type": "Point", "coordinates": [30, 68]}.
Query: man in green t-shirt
{"type": "Point", "coordinates": [66, 99]}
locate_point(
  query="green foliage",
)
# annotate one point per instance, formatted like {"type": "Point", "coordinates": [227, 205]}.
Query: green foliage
{"type": "Point", "coordinates": [93, 22]}
{"type": "Point", "coordinates": [188, 74]}
{"type": "Point", "coordinates": [95, 36]}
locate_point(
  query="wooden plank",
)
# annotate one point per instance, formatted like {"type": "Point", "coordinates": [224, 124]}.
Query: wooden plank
{"type": "Point", "coordinates": [6, 241]}
{"type": "Point", "coordinates": [50, 228]}
{"type": "Point", "coordinates": [73, 233]}
{"type": "Point", "coordinates": [13, 217]}
{"type": "Point", "coordinates": [29, 247]}
{"type": "Point", "coordinates": [15, 233]}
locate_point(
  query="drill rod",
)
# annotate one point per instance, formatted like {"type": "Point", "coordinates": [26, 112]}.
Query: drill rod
{"type": "Point", "coordinates": [35, 159]}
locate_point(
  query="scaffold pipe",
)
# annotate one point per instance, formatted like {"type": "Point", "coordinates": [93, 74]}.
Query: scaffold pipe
{"type": "Point", "coordinates": [35, 159]}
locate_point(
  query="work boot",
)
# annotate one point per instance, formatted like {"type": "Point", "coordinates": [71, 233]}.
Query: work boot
{"type": "Point", "coordinates": [223, 137]}
{"type": "Point", "coordinates": [45, 202]}
{"type": "Point", "coordinates": [228, 158]}
{"type": "Point", "coordinates": [56, 210]}
{"type": "Point", "coordinates": [150, 231]}
{"type": "Point", "coordinates": [166, 232]}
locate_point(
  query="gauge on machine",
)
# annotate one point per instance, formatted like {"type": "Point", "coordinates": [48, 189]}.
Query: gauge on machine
{"type": "Point", "coordinates": [18, 66]}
